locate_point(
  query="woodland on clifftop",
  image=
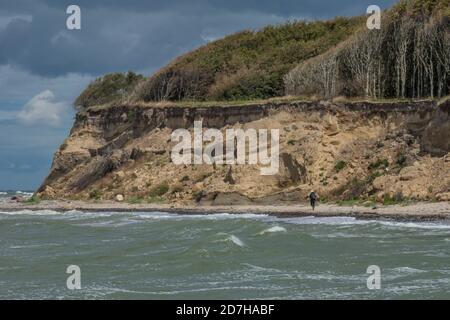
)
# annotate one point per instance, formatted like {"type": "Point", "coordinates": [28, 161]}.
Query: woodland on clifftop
{"type": "Point", "coordinates": [409, 57]}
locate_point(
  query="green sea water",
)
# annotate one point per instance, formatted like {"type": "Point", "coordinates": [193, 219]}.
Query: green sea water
{"type": "Point", "coordinates": [155, 255]}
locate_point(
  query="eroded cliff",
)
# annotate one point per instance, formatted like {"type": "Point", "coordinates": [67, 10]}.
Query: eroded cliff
{"type": "Point", "coordinates": [342, 150]}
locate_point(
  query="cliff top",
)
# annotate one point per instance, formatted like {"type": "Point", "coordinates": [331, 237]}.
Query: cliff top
{"type": "Point", "coordinates": [357, 101]}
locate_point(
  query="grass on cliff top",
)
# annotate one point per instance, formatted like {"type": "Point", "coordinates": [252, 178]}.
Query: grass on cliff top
{"type": "Point", "coordinates": [276, 100]}
{"type": "Point", "coordinates": [205, 104]}
{"type": "Point", "coordinates": [247, 65]}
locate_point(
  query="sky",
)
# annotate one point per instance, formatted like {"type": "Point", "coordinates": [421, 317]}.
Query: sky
{"type": "Point", "coordinates": [44, 66]}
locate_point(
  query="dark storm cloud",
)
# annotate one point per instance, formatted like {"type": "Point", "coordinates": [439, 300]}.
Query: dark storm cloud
{"type": "Point", "coordinates": [137, 35]}
{"type": "Point", "coordinates": [319, 8]}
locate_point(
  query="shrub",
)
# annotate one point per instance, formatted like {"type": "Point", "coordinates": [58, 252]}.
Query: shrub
{"type": "Point", "coordinates": [63, 146]}
{"type": "Point", "coordinates": [401, 160]}
{"type": "Point", "coordinates": [340, 165]}
{"type": "Point", "coordinates": [353, 189]}
{"type": "Point", "coordinates": [95, 194]}
{"type": "Point", "coordinates": [378, 164]}
{"type": "Point", "coordinates": [135, 200]}
{"type": "Point", "coordinates": [184, 179]}
{"type": "Point", "coordinates": [159, 190]}
{"type": "Point", "coordinates": [396, 199]}
{"type": "Point", "coordinates": [107, 89]}
{"type": "Point", "coordinates": [33, 200]}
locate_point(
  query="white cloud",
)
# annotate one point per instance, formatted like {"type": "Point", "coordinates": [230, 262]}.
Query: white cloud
{"type": "Point", "coordinates": [5, 20]}
{"type": "Point", "coordinates": [42, 109]}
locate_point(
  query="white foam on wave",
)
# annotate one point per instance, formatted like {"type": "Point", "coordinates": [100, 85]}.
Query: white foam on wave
{"type": "Point", "coordinates": [2, 193]}
{"type": "Point", "coordinates": [24, 193]}
{"type": "Point", "coordinates": [75, 214]}
{"type": "Point", "coordinates": [310, 220]}
{"type": "Point", "coordinates": [255, 268]}
{"type": "Point", "coordinates": [231, 238]}
{"type": "Point", "coordinates": [408, 270]}
{"type": "Point", "coordinates": [102, 291]}
{"type": "Point", "coordinates": [353, 221]}
{"type": "Point", "coordinates": [325, 220]}
{"type": "Point", "coordinates": [216, 216]}
{"type": "Point", "coordinates": [415, 225]}
{"type": "Point", "coordinates": [236, 240]}
{"type": "Point", "coordinates": [108, 223]}
{"type": "Point", "coordinates": [273, 230]}
{"type": "Point", "coordinates": [30, 246]}
{"type": "Point", "coordinates": [31, 212]}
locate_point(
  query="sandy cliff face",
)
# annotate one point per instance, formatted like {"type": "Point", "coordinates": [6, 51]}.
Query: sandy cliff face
{"type": "Point", "coordinates": [343, 151]}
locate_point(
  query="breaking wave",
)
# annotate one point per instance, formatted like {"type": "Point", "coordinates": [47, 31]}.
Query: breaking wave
{"type": "Point", "coordinates": [272, 230]}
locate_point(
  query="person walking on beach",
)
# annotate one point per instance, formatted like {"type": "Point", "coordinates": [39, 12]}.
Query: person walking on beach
{"type": "Point", "coordinates": [313, 199]}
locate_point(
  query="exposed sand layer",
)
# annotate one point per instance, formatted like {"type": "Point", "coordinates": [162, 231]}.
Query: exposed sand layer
{"type": "Point", "coordinates": [417, 211]}
{"type": "Point", "coordinates": [368, 151]}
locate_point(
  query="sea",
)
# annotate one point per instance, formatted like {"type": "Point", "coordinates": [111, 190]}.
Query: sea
{"type": "Point", "coordinates": [158, 255]}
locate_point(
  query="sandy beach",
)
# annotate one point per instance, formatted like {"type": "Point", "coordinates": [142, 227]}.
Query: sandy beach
{"type": "Point", "coordinates": [415, 212]}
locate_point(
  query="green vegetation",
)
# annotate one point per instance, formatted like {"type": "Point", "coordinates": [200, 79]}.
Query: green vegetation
{"type": "Point", "coordinates": [154, 199]}
{"type": "Point", "coordinates": [396, 199]}
{"type": "Point", "coordinates": [63, 146]}
{"type": "Point", "coordinates": [245, 65]}
{"type": "Point", "coordinates": [340, 165]}
{"type": "Point", "coordinates": [357, 202]}
{"type": "Point", "coordinates": [135, 200]}
{"type": "Point", "coordinates": [401, 160]}
{"type": "Point", "coordinates": [140, 199]}
{"type": "Point", "coordinates": [33, 200]}
{"type": "Point", "coordinates": [95, 194]}
{"type": "Point", "coordinates": [184, 179]}
{"type": "Point", "coordinates": [291, 142]}
{"type": "Point", "coordinates": [109, 88]}
{"type": "Point", "coordinates": [370, 202]}
{"type": "Point", "coordinates": [159, 190]}
{"type": "Point", "coordinates": [379, 164]}
{"type": "Point", "coordinates": [355, 188]}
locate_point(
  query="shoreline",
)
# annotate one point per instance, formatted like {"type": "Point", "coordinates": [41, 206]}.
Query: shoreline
{"type": "Point", "coordinates": [421, 211]}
